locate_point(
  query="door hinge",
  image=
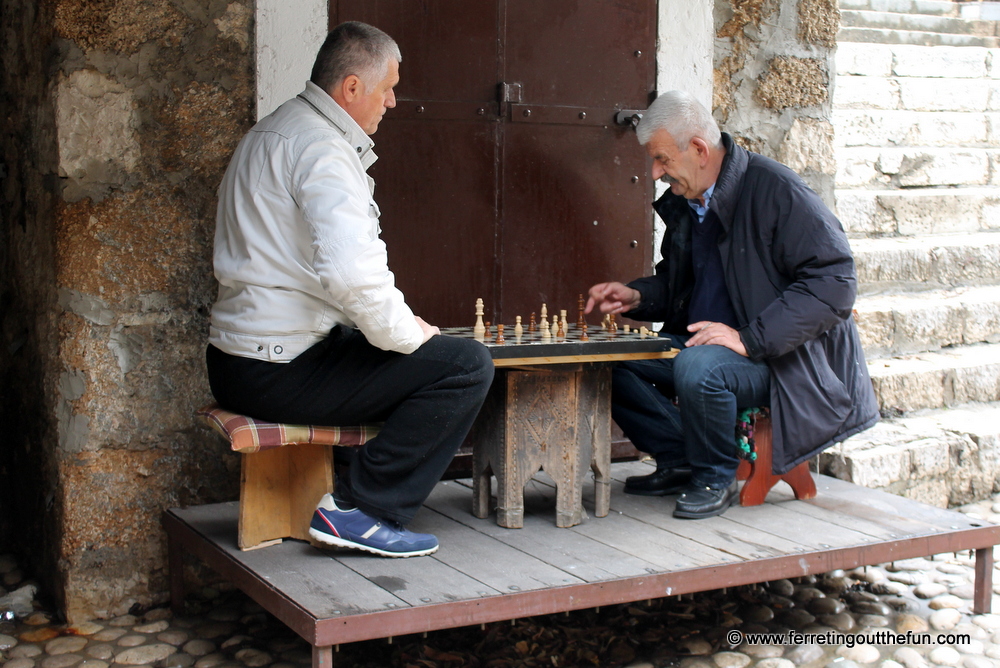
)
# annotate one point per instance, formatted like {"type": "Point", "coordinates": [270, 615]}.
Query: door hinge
{"type": "Point", "coordinates": [509, 92]}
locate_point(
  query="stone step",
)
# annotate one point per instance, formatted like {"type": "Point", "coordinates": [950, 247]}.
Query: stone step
{"type": "Point", "coordinates": [893, 324]}
{"type": "Point", "coordinates": [918, 211]}
{"type": "Point", "coordinates": [899, 127]}
{"type": "Point", "coordinates": [889, 20]}
{"type": "Point", "coordinates": [944, 457]}
{"type": "Point", "coordinates": [907, 60]}
{"type": "Point", "coordinates": [926, 262]}
{"type": "Point", "coordinates": [929, 7]}
{"type": "Point", "coordinates": [917, 93]}
{"type": "Point", "coordinates": [883, 168]}
{"type": "Point", "coordinates": [892, 36]}
{"type": "Point", "coordinates": [949, 377]}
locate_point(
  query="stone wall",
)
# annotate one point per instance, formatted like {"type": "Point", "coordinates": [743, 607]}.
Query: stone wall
{"type": "Point", "coordinates": [134, 109]}
{"type": "Point", "coordinates": [773, 82]}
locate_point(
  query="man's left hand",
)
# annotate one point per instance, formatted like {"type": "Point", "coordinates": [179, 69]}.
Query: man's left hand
{"type": "Point", "coordinates": [716, 334]}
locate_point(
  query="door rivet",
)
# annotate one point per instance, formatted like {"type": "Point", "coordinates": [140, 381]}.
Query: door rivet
{"type": "Point", "coordinates": [635, 179]}
{"type": "Point", "coordinates": [420, 109]}
{"type": "Point", "coordinates": [633, 243]}
{"type": "Point", "coordinates": [583, 115]}
{"type": "Point", "coordinates": [527, 112]}
{"type": "Point", "coordinates": [638, 53]}
{"type": "Point", "coordinates": [480, 111]}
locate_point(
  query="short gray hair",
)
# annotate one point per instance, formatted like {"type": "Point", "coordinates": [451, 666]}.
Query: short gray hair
{"type": "Point", "coordinates": [682, 116]}
{"type": "Point", "coordinates": [354, 48]}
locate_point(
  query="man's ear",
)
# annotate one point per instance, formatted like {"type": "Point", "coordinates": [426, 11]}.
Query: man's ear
{"type": "Point", "coordinates": [703, 149]}
{"type": "Point", "coordinates": [351, 87]}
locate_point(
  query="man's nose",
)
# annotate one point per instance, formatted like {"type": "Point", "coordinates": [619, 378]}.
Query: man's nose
{"type": "Point", "coordinates": [658, 171]}
{"type": "Point", "coordinates": [390, 100]}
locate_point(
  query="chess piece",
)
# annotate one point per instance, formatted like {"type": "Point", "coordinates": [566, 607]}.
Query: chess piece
{"type": "Point", "coordinates": [627, 329]}
{"type": "Point", "coordinates": [583, 333]}
{"type": "Point", "coordinates": [532, 325]}
{"type": "Point", "coordinates": [546, 334]}
{"type": "Point", "coordinates": [500, 339]}
{"type": "Point", "coordinates": [605, 322]}
{"type": "Point", "coordinates": [487, 333]}
{"type": "Point", "coordinates": [545, 321]}
{"type": "Point", "coordinates": [518, 330]}
{"type": "Point", "coordinates": [479, 331]}
{"type": "Point", "coordinates": [612, 324]}
{"type": "Point", "coordinates": [580, 320]}
{"type": "Point", "coordinates": [562, 321]}
{"type": "Point", "coordinates": [561, 333]}
{"type": "Point", "coordinates": [643, 332]}
{"type": "Point", "coordinates": [555, 326]}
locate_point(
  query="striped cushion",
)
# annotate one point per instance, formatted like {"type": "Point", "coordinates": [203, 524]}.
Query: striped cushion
{"type": "Point", "coordinates": [246, 434]}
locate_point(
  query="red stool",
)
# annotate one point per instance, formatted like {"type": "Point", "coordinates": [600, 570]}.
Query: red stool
{"type": "Point", "coordinates": [758, 473]}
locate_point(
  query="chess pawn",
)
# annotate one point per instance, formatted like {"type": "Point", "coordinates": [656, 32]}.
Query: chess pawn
{"type": "Point", "coordinates": [626, 329]}
{"type": "Point", "coordinates": [500, 339]}
{"type": "Point", "coordinates": [555, 326]}
{"type": "Point", "coordinates": [518, 330]}
{"type": "Point", "coordinates": [562, 321]}
{"type": "Point", "coordinates": [583, 333]}
{"type": "Point", "coordinates": [486, 332]}
{"type": "Point", "coordinates": [532, 325]}
{"type": "Point", "coordinates": [546, 334]}
{"type": "Point", "coordinates": [561, 333]}
{"type": "Point", "coordinates": [479, 330]}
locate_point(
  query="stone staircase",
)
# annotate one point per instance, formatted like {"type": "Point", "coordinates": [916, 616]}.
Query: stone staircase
{"type": "Point", "coordinates": [917, 131]}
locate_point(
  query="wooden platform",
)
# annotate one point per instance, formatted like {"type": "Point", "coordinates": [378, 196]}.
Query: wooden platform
{"type": "Point", "coordinates": [485, 573]}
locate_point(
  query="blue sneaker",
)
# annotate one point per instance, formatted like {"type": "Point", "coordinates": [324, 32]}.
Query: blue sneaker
{"type": "Point", "coordinates": [355, 529]}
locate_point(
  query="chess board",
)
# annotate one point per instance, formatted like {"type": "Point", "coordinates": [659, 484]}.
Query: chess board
{"type": "Point", "coordinates": [602, 346]}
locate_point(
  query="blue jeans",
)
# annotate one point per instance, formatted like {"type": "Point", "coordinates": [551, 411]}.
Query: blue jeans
{"type": "Point", "coordinates": [711, 384]}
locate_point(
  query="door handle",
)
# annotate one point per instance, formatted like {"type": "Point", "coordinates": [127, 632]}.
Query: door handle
{"type": "Point", "coordinates": [629, 117]}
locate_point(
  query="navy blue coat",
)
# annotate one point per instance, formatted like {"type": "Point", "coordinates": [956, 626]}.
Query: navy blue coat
{"type": "Point", "coordinates": [791, 279]}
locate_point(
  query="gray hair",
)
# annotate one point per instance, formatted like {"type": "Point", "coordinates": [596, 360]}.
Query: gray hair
{"type": "Point", "coordinates": [682, 116]}
{"type": "Point", "coordinates": [354, 48]}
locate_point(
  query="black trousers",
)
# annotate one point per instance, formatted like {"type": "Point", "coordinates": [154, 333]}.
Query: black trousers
{"type": "Point", "coordinates": [428, 401]}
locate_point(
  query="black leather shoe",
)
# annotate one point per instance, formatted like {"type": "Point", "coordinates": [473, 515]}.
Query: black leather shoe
{"type": "Point", "coordinates": [700, 502]}
{"type": "Point", "coordinates": [659, 483]}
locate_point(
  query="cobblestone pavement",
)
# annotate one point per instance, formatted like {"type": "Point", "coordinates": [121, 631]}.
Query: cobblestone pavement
{"type": "Point", "coordinates": [857, 611]}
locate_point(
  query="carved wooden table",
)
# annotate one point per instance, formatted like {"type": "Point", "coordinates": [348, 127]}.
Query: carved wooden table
{"type": "Point", "coordinates": [550, 409]}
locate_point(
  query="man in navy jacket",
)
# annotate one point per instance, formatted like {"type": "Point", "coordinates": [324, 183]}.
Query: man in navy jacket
{"type": "Point", "coordinates": [756, 288]}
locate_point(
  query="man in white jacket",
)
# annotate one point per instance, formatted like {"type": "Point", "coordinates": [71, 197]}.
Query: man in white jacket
{"type": "Point", "coordinates": [309, 327]}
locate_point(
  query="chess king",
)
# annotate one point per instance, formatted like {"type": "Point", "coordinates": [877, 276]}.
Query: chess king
{"type": "Point", "coordinates": [756, 288]}
{"type": "Point", "coordinates": [309, 327]}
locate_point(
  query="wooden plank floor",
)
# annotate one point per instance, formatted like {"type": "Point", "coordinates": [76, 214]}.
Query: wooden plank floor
{"type": "Point", "coordinates": [486, 573]}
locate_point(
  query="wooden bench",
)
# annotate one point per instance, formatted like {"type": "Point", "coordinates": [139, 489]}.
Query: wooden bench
{"type": "Point", "coordinates": [486, 573]}
{"type": "Point", "coordinates": [280, 486]}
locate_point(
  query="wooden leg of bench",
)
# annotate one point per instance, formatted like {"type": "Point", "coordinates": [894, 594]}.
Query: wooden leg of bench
{"type": "Point", "coordinates": [310, 474]}
{"type": "Point", "coordinates": [175, 569]}
{"type": "Point", "coordinates": [758, 474]}
{"type": "Point", "coordinates": [322, 657]}
{"type": "Point", "coordinates": [982, 598]}
{"type": "Point", "coordinates": [598, 386]}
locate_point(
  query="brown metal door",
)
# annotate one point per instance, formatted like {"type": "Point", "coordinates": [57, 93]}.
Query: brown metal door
{"type": "Point", "coordinates": [502, 152]}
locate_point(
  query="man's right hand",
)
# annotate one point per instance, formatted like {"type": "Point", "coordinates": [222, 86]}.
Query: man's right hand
{"type": "Point", "coordinates": [612, 297]}
{"type": "Point", "coordinates": [429, 330]}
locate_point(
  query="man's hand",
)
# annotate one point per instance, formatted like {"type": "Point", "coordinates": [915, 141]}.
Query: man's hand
{"type": "Point", "coordinates": [612, 297]}
{"type": "Point", "coordinates": [429, 330]}
{"type": "Point", "coordinates": [716, 334]}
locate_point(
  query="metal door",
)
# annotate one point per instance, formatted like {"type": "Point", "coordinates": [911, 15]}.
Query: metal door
{"type": "Point", "coordinates": [502, 173]}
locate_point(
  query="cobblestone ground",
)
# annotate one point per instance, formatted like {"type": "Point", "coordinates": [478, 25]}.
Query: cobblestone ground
{"type": "Point", "coordinates": [221, 628]}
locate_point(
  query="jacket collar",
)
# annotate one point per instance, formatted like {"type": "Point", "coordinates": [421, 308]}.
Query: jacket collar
{"type": "Point", "coordinates": [325, 105]}
{"type": "Point", "coordinates": [730, 181]}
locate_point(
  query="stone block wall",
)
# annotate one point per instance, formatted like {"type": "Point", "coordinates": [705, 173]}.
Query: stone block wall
{"type": "Point", "coordinates": [122, 116]}
{"type": "Point", "coordinates": [773, 82]}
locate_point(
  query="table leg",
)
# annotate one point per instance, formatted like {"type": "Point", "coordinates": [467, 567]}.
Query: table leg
{"type": "Point", "coordinates": [597, 383]}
